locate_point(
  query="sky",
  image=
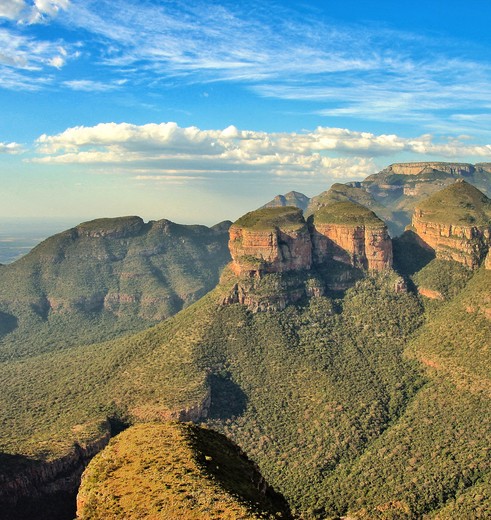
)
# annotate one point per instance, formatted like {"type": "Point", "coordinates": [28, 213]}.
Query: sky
{"type": "Point", "coordinates": [200, 111]}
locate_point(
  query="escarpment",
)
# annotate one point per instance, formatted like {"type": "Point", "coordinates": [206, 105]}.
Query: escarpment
{"type": "Point", "coordinates": [350, 233]}
{"type": "Point", "coordinates": [277, 255]}
{"type": "Point", "coordinates": [456, 224]}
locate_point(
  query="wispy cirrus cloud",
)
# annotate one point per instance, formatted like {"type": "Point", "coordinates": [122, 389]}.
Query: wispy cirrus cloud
{"type": "Point", "coordinates": [343, 71]}
{"type": "Point", "coordinates": [160, 151]}
{"type": "Point", "coordinates": [31, 12]}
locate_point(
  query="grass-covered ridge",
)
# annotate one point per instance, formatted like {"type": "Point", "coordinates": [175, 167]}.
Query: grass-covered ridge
{"type": "Point", "coordinates": [285, 218]}
{"type": "Point", "coordinates": [458, 204]}
{"type": "Point", "coordinates": [174, 470]}
{"type": "Point", "coordinates": [105, 278]}
{"type": "Point", "coordinates": [346, 213]}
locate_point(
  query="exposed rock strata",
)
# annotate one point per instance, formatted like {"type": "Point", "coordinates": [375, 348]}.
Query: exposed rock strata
{"type": "Point", "coordinates": [416, 168]}
{"type": "Point", "coordinates": [278, 241]}
{"type": "Point", "coordinates": [363, 247]}
{"type": "Point", "coordinates": [464, 244]}
{"type": "Point", "coordinates": [456, 224]}
{"type": "Point", "coordinates": [42, 478]}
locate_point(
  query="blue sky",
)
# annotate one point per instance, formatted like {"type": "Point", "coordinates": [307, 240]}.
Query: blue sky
{"type": "Point", "coordinates": [200, 111]}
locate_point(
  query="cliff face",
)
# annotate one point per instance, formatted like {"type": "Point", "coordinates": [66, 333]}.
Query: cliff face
{"type": "Point", "coordinates": [278, 241]}
{"type": "Point", "coordinates": [273, 240]}
{"type": "Point", "coordinates": [465, 244]}
{"type": "Point", "coordinates": [358, 246]}
{"type": "Point", "coordinates": [417, 168]}
{"type": "Point", "coordinates": [456, 224]}
{"type": "Point", "coordinates": [350, 233]}
{"type": "Point", "coordinates": [269, 251]}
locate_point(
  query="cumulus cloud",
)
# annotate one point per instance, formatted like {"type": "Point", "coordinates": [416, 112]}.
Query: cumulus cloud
{"type": "Point", "coordinates": [10, 148]}
{"type": "Point", "coordinates": [31, 12]}
{"type": "Point", "coordinates": [11, 9]}
{"type": "Point", "coordinates": [166, 150]}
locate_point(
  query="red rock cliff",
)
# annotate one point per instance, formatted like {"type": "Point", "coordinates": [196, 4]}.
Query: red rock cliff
{"type": "Point", "coordinates": [350, 233]}
{"type": "Point", "coordinates": [272, 240]}
{"type": "Point", "coordinates": [456, 224]}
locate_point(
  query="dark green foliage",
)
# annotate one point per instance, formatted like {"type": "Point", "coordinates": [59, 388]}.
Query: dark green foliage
{"type": "Point", "coordinates": [446, 277]}
{"type": "Point", "coordinates": [105, 278]}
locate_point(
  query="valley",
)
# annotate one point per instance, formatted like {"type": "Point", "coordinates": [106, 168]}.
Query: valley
{"type": "Point", "coordinates": [333, 352]}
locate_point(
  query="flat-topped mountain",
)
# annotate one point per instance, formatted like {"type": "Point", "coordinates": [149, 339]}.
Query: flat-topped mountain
{"type": "Point", "coordinates": [350, 233]}
{"type": "Point", "coordinates": [456, 223]}
{"type": "Point", "coordinates": [270, 240]}
{"type": "Point", "coordinates": [341, 239]}
{"type": "Point", "coordinates": [121, 273]}
{"type": "Point", "coordinates": [394, 192]}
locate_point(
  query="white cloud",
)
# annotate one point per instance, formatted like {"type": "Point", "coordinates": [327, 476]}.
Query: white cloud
{"type": "Point", "coordinates": [88, 85]}
{"type": "Point", "coordinates": [10, 148]}
{"type": "Point", "coordinates": [11, 9]}
{"type": "Point", "coordinates": [162, 150]}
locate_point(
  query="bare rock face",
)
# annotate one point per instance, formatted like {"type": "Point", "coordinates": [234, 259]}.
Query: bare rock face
{"type": "Point", "coordinates": [487, 263]}
{"type": "Point", "coordinates": [456, 224]}
{"type": "Point", "coordinates": [273, 251]}
{"type": "Point", "coordinates": [271, 240]}
{"type": "Point", "coordinates": [350, 233]}
{"type": "Point", "coordinates": [416, 168]}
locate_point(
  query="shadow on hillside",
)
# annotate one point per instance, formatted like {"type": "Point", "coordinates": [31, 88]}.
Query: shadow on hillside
{"type": "Point", "coordinates": [227, 398]}
{"type": "Point", "coordinates": [58, 505]}
{"type": "Point", "coordinates": [8, 323]}
{"type": "Point", "coordinates": [411, 254]}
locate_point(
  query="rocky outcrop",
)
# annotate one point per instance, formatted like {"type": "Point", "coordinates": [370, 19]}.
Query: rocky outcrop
{"type": "Point", "coordinates": [44, 478]}
{"type": "Point", "coordinates": [350, 233]}
{"type": "Point", "coordinates": [465, 244]}
{"type": "Point", "coordinates": [417, 168]}
{"type": "Point", "coordinates": [487, 263]}
{"type": "Point", "coordinates": [273, 240]}
{"type": "Point", "coordinates": [456, 224]}
{"type": "Point", "coordinates": [278, 241]}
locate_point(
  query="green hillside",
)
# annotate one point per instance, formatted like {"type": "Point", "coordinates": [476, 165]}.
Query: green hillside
{"type": "Point", "coordinates": [104, 278]}
{"type": "Point", "coordinates": [321, 396]}
{"type": "Point", "coordinates": [460, 203]}
{"type": "Point", "coordinates": [346, 213]}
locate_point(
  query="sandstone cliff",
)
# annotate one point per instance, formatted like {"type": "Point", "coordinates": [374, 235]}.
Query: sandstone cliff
{"type": "Point", "coordinates": [278, 258]}
{"type": "Point", "coordinates": [416, 168]}
{"type": "Point", "coordinates": [456, 224]}
{"type": "Point", "coordinates": [350, 233]}
{"type": "Point", "coordinates": [272, 240]}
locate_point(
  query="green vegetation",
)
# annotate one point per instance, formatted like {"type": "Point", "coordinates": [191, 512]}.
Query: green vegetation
{"type": "Point", "coordinates": [460, 203]}
{"type": "Point", "coordinates": [105, 278]}
{"type": "Point", "coordinates": [174, 470]}
{"type": "Point", "coordinates": [348, 213]}
{"type": "Point", "coordinates": [446, 277]}
{"type": "Point", "coordinates": [374, 404]}
{"type": "Point", "coordinates": [286, 217]}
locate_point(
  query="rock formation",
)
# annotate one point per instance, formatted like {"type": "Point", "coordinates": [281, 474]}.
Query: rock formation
{"type": "Point", "coordinates": [456, 224]}
{"type": "Point", "coordinates": [416, 168]}
{"type": "Point", "coordinates": [341, 239]}
{"type": "Point", "coordinates": [350, 233]}
{"type": "Point", "coordinates": [272, 240]}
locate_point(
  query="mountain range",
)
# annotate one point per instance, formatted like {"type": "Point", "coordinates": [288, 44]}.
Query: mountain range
{"type": "Point", "coordinates": [351, 367]}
